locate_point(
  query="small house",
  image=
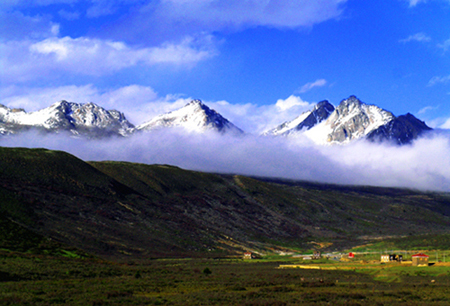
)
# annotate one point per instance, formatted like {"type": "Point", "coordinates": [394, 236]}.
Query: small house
{"type": "Point", "coordinates": [351, 255]}
{"type": "Point", "coordinates": [420, 259]}
{"type": "Point", "coordinates": [316, 255]}
{"type": "Point", "coordinates": [391, 258]}
{"type": "Point", "coordinates": [248, 255]}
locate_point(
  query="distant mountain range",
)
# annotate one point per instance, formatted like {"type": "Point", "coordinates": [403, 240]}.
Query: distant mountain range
{"type": "Point", "coordinates": [351, 120]}
{"type": "Point", "coordinates": [324, 124]}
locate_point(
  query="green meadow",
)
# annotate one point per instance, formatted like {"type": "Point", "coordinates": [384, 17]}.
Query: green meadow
{"type": "Point", "coordinates": [27, 279]}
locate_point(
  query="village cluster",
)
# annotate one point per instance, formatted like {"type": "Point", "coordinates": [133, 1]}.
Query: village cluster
{"type": "Point", "coordinates": [417, 260]}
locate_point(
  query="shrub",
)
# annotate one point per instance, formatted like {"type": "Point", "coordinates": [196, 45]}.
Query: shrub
{"type": "Point", "coordinates": [207, 271]}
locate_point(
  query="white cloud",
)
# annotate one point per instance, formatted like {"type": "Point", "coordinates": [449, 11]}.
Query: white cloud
{"type": "Point", "coordinates": [28, 60]}
{"type": "Point", "coordinates": [237, 13]}
{"type": "Point", "coordinates": [33, 99]}
{"type": "Point", "coordinates": [413, 3]}
{"type": "Point", "coordinates": [8, 4]}
{"type": "Point", "coordinates": [445, 45]}
{"type": "Point", "coordinates": [419, 37]}
{"type": "Point", "coordinates": [172, 18]}
{"type": "Point", "coordinates": [426, 109]}
{"type": "Point", "coordinates": [211, 15]}
{"type": "Point", "coordinates": [445, 124]}
{"type": "Point", "coordinates": [95, 56]}
{"type": "Point", "coordinates": [290, 102]}
{"type": "Point", "coordinates": [439, 80]}
{"type": "Point", "coordinates": [308, 86]}
{"type": "Point", "coordinates": [256, 119]}
{"type": "Point", "coordinates": [69, 15]}
{"type": "Point", "coordinates": [422, 165]}
{"type": "Point", "coordinates": [16, 24]}
{"type": "Point", "coordinates": [138, 103]}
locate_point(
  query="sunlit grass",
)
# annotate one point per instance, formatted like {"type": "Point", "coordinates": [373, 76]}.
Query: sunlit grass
{"type": "Point", "coordinates": [47, 280]}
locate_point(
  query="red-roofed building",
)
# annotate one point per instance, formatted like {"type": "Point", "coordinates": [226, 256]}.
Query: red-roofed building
{"type": "Point", "coordinates": [420, 259]}
{"type": "Point", "coordinates": [248, 255]}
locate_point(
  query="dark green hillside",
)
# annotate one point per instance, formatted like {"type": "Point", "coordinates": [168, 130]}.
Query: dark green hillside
{"type": "Point", "coordinates": [128, 210]}
{"type": "Point", "coordinates": [158, 180]}
{"type": "Point", "coordinates": [57, 195]}
{"type": "Point", "coordinates": [297, 212]}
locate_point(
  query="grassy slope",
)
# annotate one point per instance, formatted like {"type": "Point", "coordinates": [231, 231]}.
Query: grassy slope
{"type": "Point", "coordinates": [303, 211]}
{"type": "Point", "coordinates": [127, 209]}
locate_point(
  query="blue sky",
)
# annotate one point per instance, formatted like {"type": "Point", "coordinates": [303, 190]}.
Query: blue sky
{"type": "Point", "coordinates": [257, 62]}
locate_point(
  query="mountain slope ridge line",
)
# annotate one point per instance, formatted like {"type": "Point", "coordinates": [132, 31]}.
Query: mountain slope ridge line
{"type": "Point", "coordinates": [128, 210]}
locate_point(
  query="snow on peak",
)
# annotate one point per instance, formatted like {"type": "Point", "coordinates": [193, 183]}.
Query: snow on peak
{"type": "Point", "coordinates": [352, 119]}
{"type": "Point", "coordinates": [305, 121]}
{"type": "Point", "coordinates": [71, 117]}
{"type": "Point", "coordinates": [325, 124]}
{"type": "Point", "coordinates": [193, 117]}
{"type": "Point", "coordinates": [196, 102]}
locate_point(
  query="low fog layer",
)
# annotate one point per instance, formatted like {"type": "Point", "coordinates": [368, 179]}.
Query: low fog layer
{"type": "Point", "coordinates": [422, 165]}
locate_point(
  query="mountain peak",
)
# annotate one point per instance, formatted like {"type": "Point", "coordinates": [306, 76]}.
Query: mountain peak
{"type": "Point", "coordinates": [351, 120]}
{"type": "Point", "coordinates": [349, 104]}
{"type": "Point", "coordinates": [305, 121]}
{"type": "Point", "coordinates": [323, 103]}
{"type": "Point", "coordinates": [353, 99]}
{"type": "Point", "coordinates": [193, 117]}
{"type": "Point", "coordinates": [196, 102]}
{"type": "Point", "coordinates": [354, 119]}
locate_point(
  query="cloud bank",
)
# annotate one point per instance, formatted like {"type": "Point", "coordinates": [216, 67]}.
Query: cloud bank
{"type": "Point", "coordinates": [30, 60]}
{"type": "Point", "coordinates": [237, 13]}
{"type": "Point", "coordinates": [422, 165]}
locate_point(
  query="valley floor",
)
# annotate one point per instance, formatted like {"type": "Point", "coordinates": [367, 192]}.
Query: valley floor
{"type": "Point", "coordinates": [44, 280]}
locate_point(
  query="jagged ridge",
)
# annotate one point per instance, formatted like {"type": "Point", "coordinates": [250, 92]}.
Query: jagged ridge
{"type": "Point", "coordinates": [324, 124]}
{"type": "Point", "coordinates": [352, 120]}
{"type": "Point", "coordinates": [86, 119]}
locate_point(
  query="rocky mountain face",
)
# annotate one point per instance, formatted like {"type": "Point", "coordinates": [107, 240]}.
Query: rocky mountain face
{"type": "Point", "coordinates": [305, 121]}
{"type": "Point", "coordinates": [79, 119]}
{"type": "Point", "coordinates": [324, 124]}
{"type": "Point", "coordinates": [194, 117]}
{"type": "Point", "coordinates": [402, 130]}
{"type": "Point", "coordinates": [351, 120]}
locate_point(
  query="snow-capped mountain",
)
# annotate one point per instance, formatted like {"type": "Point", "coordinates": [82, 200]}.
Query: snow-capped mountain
{"type": "Point", "coordinates": [351, 120]}
{"type": "Point", "coordinates": [305, 121]}
{"type": "Point", "coordinates": [79, 119]}
{"type": "Point", "coordinates": [193, 117]}
{"type": "Point", "coordinates": [324, 124]}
